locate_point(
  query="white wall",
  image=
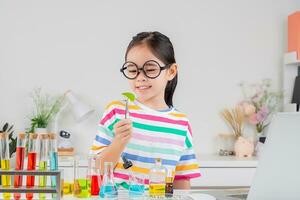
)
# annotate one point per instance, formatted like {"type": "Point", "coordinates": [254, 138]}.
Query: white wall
{"type": "Point", "coordinates": [80, 45]}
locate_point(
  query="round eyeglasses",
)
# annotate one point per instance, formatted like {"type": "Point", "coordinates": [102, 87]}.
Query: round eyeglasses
{"type": "Point", "coordinates": [151, 69]}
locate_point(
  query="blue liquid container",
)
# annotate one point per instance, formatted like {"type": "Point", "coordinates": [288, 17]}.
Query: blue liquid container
{"type": "Point", "coordinates": [136, 190]}
{"type": "Point", "coordinates": [53, 159]}
{"type": "Point", "coordinates": [108, 191]}
{"type": "Point", "coordinates": [53, 166]}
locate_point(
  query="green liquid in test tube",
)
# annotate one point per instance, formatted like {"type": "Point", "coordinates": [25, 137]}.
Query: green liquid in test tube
{"type": "Point", "coordinates": [43, 157]}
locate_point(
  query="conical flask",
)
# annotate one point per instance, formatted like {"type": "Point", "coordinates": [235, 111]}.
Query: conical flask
{"type": "Point", "coordinates": [108, 189]}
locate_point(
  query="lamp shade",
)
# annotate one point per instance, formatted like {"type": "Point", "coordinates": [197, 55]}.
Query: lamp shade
{"type": "Point", "coordinates": [80, 110]}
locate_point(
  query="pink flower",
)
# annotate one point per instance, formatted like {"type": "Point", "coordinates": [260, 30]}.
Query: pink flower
{"type": "Point", "coordinates": [253, 119]}
{"type": "Point", "coordinates": [249, 109]}
{"type": "Point", "coordinates": [262, 114]}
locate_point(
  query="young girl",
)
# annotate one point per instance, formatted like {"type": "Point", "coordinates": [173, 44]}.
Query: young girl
{"type": "Point", "coordinates": [155, 128]}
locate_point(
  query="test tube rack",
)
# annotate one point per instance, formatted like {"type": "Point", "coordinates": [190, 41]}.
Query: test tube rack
{"type": "Point", "coordinates": [35, 189]}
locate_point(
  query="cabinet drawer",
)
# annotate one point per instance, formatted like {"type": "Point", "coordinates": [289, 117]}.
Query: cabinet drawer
{"type": "Point", "coordinates": [224, 177]}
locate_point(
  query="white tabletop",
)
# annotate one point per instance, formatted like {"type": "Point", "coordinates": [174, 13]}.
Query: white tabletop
{"type": "Point", "coordinates": [183, 195]}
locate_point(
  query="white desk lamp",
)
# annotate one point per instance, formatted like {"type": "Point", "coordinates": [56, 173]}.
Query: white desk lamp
{"type": "Point", "coordinates": [80, 112]}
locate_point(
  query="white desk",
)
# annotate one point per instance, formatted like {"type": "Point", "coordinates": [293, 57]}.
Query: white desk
{"type": "Point", "coordinates": [181, 194]}
{"type": "Point", "coordinates": [217, 171]}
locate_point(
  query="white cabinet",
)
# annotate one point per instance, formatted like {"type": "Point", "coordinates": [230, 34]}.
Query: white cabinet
{"type": "Point", "coordinates": [224, 171]}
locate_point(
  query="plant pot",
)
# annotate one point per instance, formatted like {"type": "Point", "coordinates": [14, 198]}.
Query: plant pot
{"type": "Point", "coordinates": [40, 130]}
{"type": "Point", "coordinates": [244, 147]}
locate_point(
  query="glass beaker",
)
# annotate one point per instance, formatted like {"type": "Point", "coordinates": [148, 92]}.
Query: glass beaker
{"type": "Point", "coordinates": [136, 184]}
{"type": "Point", "coordinates": [82, 183]}
{"type": "Point", "coordinates": [68, 178]}
{"type": "Point", "coordinates": [108, 188]}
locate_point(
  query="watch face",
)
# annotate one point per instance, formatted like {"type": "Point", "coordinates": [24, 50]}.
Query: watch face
{"type": "Point", "coordinates": [64, 134]}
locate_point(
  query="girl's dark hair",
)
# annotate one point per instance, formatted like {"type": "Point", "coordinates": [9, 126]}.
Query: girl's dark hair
{"type": "Point", "coordinates": [161, 46]}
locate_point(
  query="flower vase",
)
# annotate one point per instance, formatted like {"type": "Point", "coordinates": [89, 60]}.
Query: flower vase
{"type": "Point", "coordinates": [244, 147]}
{"type": "Point", "coordinates": [259, 144]}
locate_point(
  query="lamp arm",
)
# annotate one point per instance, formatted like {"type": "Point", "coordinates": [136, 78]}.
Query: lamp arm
{"type": "Point", "coordinates": [57, 117]}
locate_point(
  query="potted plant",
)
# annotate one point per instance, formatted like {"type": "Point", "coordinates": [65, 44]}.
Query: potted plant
{"type": "Point", "coordinates": [45, 110]}
{"type": "Point", "coordinates": [259, 104]}
{"type": "Point", "coordinates": [12, 141]}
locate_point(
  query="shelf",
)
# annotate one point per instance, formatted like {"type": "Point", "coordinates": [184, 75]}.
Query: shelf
{"type": "Point", "coordinates": [290, 72]}
{"type": "Point", "coordinates": [34, 189]}
{"type": "Point", "coordinates": [291, 58]}
{"type": "Point", "coordinates": [28, 190]}
{"type": "Point", "coordinates": [30, 172]}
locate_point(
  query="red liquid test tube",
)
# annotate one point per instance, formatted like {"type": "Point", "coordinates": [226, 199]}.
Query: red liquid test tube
{"type": "Point", "coordinates": [20, 154]}
{"type": "Point", "coordinates": [31, 163]}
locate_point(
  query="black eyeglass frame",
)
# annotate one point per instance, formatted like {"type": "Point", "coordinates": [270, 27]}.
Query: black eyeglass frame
{"type": "Point", "coordinates": [161, 68]}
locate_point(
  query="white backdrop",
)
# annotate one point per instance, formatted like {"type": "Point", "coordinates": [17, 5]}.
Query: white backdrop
{"type": "Point", "coordinates": [80, 45]}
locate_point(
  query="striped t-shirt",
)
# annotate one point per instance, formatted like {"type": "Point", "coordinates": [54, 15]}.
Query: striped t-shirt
{"type": "Point", "coordinates": [156, 134]}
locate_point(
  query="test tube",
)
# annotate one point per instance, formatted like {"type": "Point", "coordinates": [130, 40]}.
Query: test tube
{"type": "Point", "coordinates": [31, 162]}
{"type": "Point", "coordinates": [5, 164]}
{"type": "Point", "coordinates": [20, 154]}
{"type": "Point", "coordinates": [43, 158]}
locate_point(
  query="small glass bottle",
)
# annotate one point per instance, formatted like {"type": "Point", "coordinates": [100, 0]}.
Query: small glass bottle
{"type": "Point", "coordinates": [20, 155]}
{"type": "Point", "coordinates": [43, 158]}
{"type": "Point", "coordinates": [53, 158]}
{"type": "Point", "coordinates": [5, 164]}
{"type": "Point", "coordinates": [169, 183]}
{"type": "Point", "coordinates": [31, 162]}
{"type": "Point", "coordinates": [157, 179]}
{"type": "Point", "coordinates": [108, 188]}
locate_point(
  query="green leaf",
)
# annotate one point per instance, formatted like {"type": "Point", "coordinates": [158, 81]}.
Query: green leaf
{"type": "Point", "coordinates": [11, 134]}
{"type": "Point", "coordinates": [129, 95]}
{"type": "Point", "coordinates": [11, 127]}
{"type": "Point", "coordinates": [12, 146]}
{"type": "Point", "coordinates": [5, 127]}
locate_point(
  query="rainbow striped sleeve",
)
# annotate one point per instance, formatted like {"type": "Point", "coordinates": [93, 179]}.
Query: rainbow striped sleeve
{"type": "Point", "coordinates": [188, 166]}
{"type": "Point", "coordinates": [105, 134]}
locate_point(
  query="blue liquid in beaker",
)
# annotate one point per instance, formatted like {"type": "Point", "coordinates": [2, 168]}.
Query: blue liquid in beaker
{"type": "Point", "coordinates": [108, 191]}
{"type": "Point", "coordinates": [136, 190]}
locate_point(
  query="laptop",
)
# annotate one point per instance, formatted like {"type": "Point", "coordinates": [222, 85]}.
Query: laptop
{"type": "Point", "coordinates": [277, 175]}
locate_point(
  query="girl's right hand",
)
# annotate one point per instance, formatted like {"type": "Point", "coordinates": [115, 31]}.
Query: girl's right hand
{"type": "Point", "coordinates": [123, 131]}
